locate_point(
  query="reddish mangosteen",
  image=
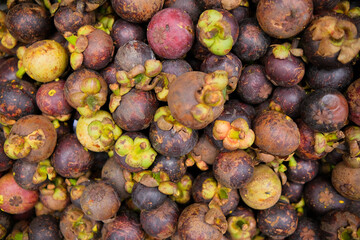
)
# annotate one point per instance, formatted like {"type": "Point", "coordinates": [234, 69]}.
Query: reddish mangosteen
{"type": "Point", "coordinates": [217, 30]}
{"type": "Point", "coordinates": [140, 10]}
{"type": "Point", "coordinates": [288, 100]}
{"type": "Point", "coordinates": [124, 31]}
{"type": "Point", "coordinates": [278, 221]}
{"type": "Point", "coordinates": [340, 225]}
{"type": "Point", "coordinates": [352, 96]}
{"type": "Point", "coordinates": [32, 138]}
{"type": "Point", "coordinates": [233, 169]}
{"type": "Point", "coordinates": [100, 201]}
{"type": "Point", "coordinates": [86, 91]}
{"type": "Point", "coordinates": [229, 63]}
{"type": "Point", "coordinates": [74, 224]}
{"type": "Point", "coordinates": [32, 176]}
{"type": "Point", "coordinates": [276, 133]}
{"type": "Point", "coordinates": [131, 54]}
{"type": "Point", "coordinates": [252, 42]}
{"type": "Point", "coordinates": [346, 181]}
{"type": "Point", "coordinates": [66, 19]}
{"type": "Point", "coordinates": [192, 7]}
{"type": "Point", "coordinates": [325, 110]}
{"type": "Point", "coordinates": [38, 23]}
{"type": "Point", "coordinates": [197, 221]}
{"type": "Point", "coordinates": [171, 33]}
{"type": "Point", "coordinates": [70, 159]}
{"type": "Point", "coordinates": [339, 78]}
{"type": "Point", "coordinates": [330, 41]}
{"type": "Point", "coordinates": [50, 99]}
{"type": "Point", "coordinates": [195, 98]}
{"type": "Point", "coordinates": [263, 190]}
{"type": "Point", "coordinates": [125, 225]}
{"type": "Point", "coordinates": [282, 66]}
{"type": "Point", "coordinates": [17, 99]}
{"type": "Point", "coordinates": [86, 50]}
{"type": "Point", "coordinates": [136, 110]}
{"type": "Point", "coordinates": [15, 199]}
{"type": "Point", "coordinates": [169, 137]}
{"type": "Point", "coordinates": [321, 197]}
{"type": "Point", "coordinates": [160, 222]}
{"type": "Point", "coordinates": [288, 18]}
{"type": "Point", "coordinates": [253, 86]}
{"type": "Point", "coordinates": [44, 227]}
{"type": "Point", "coordinates": [133, 152]}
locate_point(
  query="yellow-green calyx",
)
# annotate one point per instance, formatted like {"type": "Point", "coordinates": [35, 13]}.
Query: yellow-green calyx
{"type": "Point", "coordinates": [56, 189]}
{"type": "Point", "coordinates": [78, 44]}
{"type": "Point", "coordinates": [235, 135]}
{"type": "Point", "coordinates": [106, 131]}
{"type": "Point", "coordinates": [138, 153]}
{"type": "Point", "coordinates": [326, 142]}
{"type": "Point", "coordinates": [82, 227]}
{"type": "Point", "coordinates": [240, 227]}
{"type": "Point", "coordinates": [183, 190]}
{"type": "Point", "coordinates": [7, 40]}
{"type": "Point", "coordinates": [106, 23]}
{"type": "Point", "coordinates": [140, 77]}
{"type": "Point", "coordinates": [212, 94]}
{"type": "Point", "coordinates": [165, 121]}
{"type": "Point", "coordinates": [88, 97]}
{"type": "Point", "coordinates": [215, 32]}
{"type": "Point", "coordinates": [16, 147]}
{"type": "Point", "coordinates": [44, 171]}
{"type": "Point", "coordinates": [336, 36]}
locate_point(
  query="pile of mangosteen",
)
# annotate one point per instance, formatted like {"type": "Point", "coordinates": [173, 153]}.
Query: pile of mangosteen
{"type": "Point", "coordinates": [179, 119]}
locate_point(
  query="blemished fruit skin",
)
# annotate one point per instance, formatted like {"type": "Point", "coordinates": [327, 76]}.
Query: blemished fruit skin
{"type": "Point", "coordinates": [171, 33]}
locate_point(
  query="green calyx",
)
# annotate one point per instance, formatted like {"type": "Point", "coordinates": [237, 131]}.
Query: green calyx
{"type": "Point", "coordinates": [138, 152]}
{"type": "Point", "coordinates": [56, 189]}
{"type": "Point", "coordinates": [183, 193]}
{"type": "Point", "coordinates": [239, 227]}
{"type": "Point", "coordinates": [215, 33]}
{"type": "Point", "coordinates": [281, 51]}
{"type": "Point", "coordinates": [106, 23]}
{"type": "Point", "coordinates": [44, 171]}
{"type": "Point", "coordinates": [235, 135]}
{"type": "Point", "coordinates": [326, 142]}
{"type": "Point", "coordinates": [208, 188]}
{"type": "Point", "coordinates": [105, 130]}
{"type": "Point", "coordinates": [16, 147]}
{"type": "Point", "coordinates": [165, 121]}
